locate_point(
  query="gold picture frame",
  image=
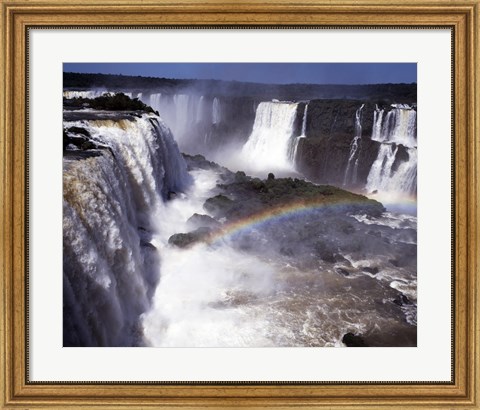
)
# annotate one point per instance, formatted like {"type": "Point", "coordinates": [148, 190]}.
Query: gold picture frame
{"type": "Point", "coordinates": [462, 17]}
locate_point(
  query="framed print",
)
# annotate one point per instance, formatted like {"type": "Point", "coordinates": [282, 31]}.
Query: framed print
{"type": "Point", "coordinates": [254, 205]}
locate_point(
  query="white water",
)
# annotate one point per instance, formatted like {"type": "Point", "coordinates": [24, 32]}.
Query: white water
{"type": "Point", "coordinates": [377, 124]}
{"type": "Point", "coordinates": [112, 207]}
{"type": "Point", "coordinates": [271, 137]}
{"type": "Point", "coordinates": [217, 296]}
{"type": "Point", "coordinates": [184, 113]}
{"type": "Point", "coordinates": [83, 94]}
{"type": "Point", "coordinates": [293, 149]}
{"type": "Point", "coordinates": [200, 109]}
{"type": "Point", "coordinates": [351, 175]}
{"type": "Point", "coordinates": [185, 110]}
{"type": "Point", "coordinates": [397, 127]}
{"type": "Point", "coordinates": [194, 280]}
{"type": "Point", "coordinates": [380, 173]}
{"type": "Point", "coordinates": [216, 111]}
{"type": "Point", "coordinates": [156, 101]}
{"type": "Point", "coordinates": [95, 94]}
{"type": "Point", "coordinates": [304, 121]}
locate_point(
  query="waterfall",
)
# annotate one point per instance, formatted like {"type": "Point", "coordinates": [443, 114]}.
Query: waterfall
{"type": "Point", "coordinates": [216, 112]}
{"type": "Point", "coordinates": [351, 177]}
{"type": "Point", "coordinates": [184, 113]}
{"type": "Point", "coordinates": [304, 121]}
{"type": "Point", "coordinates": [381, 170]}
{"type": "Point", "coordinates": [155, 100]}
{"type": "Point", "coordinates": [85, 94]}
{"type": "Point", "coordinates": [399, 126]}
{"type": "Point", "coordinates": [377, 124]}
{"type": "Point", "coordinates": [394, 171]}
{"type": "Point", "coordinates": [112, 205]}
{"type": "Point", "coordinates": [385, 179]}
{"type": "Point", "coordinates": [292, 152]}
{"type": "Point", "coordinates": [270, 140]}
{"type": "Point", "coordinates": [200, 110]}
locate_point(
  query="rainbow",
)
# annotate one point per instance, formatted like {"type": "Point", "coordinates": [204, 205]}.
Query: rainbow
{"type": "Point", "coordinates": [276, 214]}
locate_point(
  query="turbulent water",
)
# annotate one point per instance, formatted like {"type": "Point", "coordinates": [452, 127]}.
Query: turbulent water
{"type": "Point", "coordinates": [228, 295]}
{"type": "Point", "coordinates": [303, 280]}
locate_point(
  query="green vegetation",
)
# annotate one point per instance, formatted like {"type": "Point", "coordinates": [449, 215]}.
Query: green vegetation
{"type": "Point", "coordinates": [255, 195]}
{"type": "Point", "coordinates": [110, 102]}
{"type": "Point", "coordinates": [374, 92]}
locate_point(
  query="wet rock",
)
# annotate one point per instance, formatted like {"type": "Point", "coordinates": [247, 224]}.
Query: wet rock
{"type": "Point", "coordinates": [185, 240]}
{"type": "Point", "coordinates": [199, 161]}
{"type": "Point", "coordinates": [218, 205]}
{"type": "Point", "coordinates": [106, 148]}
{"type": "Point", "coordinates": [340, 258]}
{"type": "Point", "coordinates": [402, 300]}
{"type": "Point", "coordinates": [171, 195]}
{"type": "Point", "coordinates": [351, 340]}
{"type": "Point", "coordinates": [79, 130]}
{"type": "Point", "coordinates": [343, 271]}
{"type": "Point", "coordinates": [147, 245]}
{"type": "Point", "coordinates": [324, 252]}
{"type": "Point", "coordinates": [394, 262]}
{"type": "Point", "coordinates": [371, 270]}
{"type": "Point", "coordinates": [88, 145]}
{"type": "Point", "coordinates": [73, 139]}
{"type": "Point", "coordinates": [199, 220]}
{"type": "Point", "coordinates": [401, 157]}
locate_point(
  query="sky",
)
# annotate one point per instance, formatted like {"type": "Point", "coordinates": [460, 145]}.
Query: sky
{"type": "Point", "coordinates": [270, 73]}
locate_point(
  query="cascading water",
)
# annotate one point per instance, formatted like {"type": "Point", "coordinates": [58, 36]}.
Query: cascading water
{"type": "Point", "coordinates": [377, 124]}
{"type": "Point", "coordinates": [82, 94]}
{"type": "Point", "coordinates": [216, 111]}
{"type": "Point", "coordinates": [155, 100]}
{"type": "Point", "coordinates": [271, 137]}
{"type": "Point", "coordinates": [381, 170]}
{"type": "Point", "coordinates": [112, 205]}
{"type": "Point", "coordinates": [292, 152]}
{"type": "Point", "coordinates": [351, 175]}
{"type": "Point", "coordinates": [304, 121]}
{"type": "Point", "coordinates": [200, 110]}
{"type": "Point", "coordinates": [184, 113]}
{"type": "Point", "coordinates": [399, 126]}
{"type": "Point", "coordinates": [89, 94]}
{"type": "Point", "coordinates": [394, 172]}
